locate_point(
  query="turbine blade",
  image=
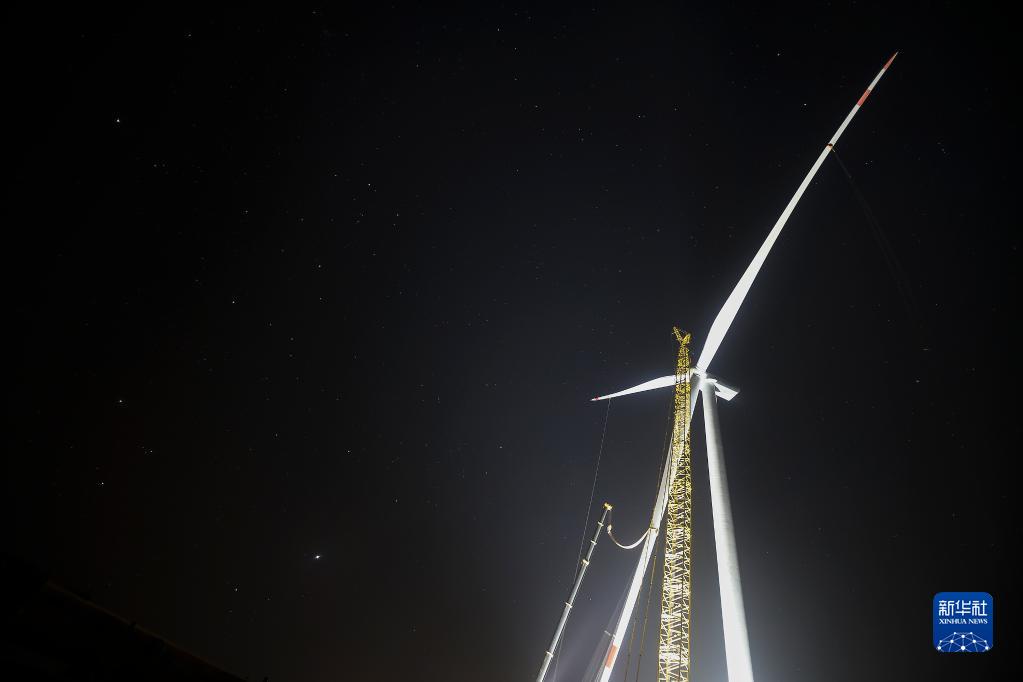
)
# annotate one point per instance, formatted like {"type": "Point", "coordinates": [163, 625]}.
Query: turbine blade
{"type": "Point", "coordinates": [646, 386]}
{"type": "Point", "coordinates": [735, 299]}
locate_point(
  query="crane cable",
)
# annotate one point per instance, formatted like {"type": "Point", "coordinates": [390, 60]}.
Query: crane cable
{"type": "Point", "coordinates": [646, 619]}
{"type": "Point", "coordinates": [586, 523]}
{"type": "Point", "coordinates": [660, 470]}
{"type": "Point", "coordinates": [593, 488]}
{"type": "Point", "coordinates": [653, 565]}
{"type": "Point", "coordinates": [650, 585]}
{"type": "Point", "coordinates": [895, 268]}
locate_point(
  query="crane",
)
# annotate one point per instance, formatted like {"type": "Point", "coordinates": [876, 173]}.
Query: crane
{"type": "Point", "coordinates": [673, 654]}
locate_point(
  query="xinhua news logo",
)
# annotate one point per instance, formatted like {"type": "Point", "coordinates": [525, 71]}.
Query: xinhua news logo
{"type": "Point", "coordinates": [964, 622]}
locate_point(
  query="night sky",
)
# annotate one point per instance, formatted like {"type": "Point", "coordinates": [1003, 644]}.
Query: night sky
{"type": "Point", "coordinates": [307, 307]}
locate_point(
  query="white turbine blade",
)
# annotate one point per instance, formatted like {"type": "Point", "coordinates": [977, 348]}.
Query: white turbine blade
{"type": "Point", "coordinates": [647, 386]}
{"type": "Point", "coordinates": [731, 306]}
{"type": "Point", "coordinates": [720, 389]}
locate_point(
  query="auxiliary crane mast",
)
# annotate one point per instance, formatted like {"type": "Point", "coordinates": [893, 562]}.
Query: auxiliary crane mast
{"type": "Point", "coordinates": [579, 575]}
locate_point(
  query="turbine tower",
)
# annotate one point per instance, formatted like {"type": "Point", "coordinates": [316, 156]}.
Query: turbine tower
{"type": "Point", "coordinates": [674, 489]}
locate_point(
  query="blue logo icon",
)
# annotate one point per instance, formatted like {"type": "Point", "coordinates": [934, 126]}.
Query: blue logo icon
{"type": "Point", "coordinates": [964, 622]}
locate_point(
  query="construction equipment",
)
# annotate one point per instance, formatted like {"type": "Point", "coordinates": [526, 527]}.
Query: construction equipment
{"type": "Point", "coordinates": [676, 595]}
{"type": "Point", "coordinates": [579, 575]}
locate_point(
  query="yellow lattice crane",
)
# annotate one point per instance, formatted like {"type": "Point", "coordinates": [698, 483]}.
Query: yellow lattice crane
{"type": "Point", "coordinates": [676, 596]}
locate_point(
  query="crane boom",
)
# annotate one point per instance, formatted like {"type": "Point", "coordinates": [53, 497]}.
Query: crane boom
{"type": "Point", "coordinates": [579, 575]}
{"type": "Point", "coordinates": [673, 654]}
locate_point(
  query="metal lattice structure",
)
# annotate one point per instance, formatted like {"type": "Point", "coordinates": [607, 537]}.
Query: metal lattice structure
{"type": "Point", "coordinates": [676, 596]}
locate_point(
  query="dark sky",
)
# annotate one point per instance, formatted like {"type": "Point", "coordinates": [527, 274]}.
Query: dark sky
{"type": "Point", "coordinates": [339, 284]}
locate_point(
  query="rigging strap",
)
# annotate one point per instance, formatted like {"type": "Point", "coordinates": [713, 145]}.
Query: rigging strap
{"type": "Point", "coordinates": [633, 545]}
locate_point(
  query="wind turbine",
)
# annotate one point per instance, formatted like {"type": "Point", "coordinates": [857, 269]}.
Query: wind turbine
{"type": "Point", "coordinates": [698, 381]}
